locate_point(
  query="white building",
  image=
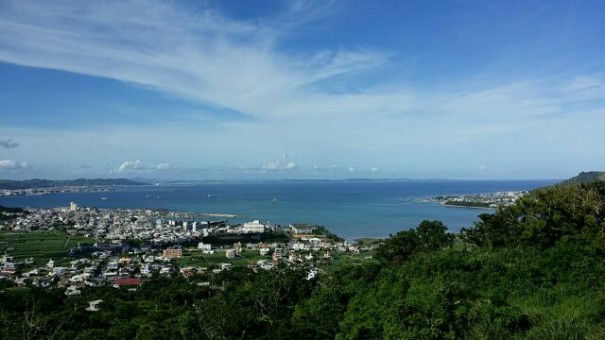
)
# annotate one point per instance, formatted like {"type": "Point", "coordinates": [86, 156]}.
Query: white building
{"type": "Point", "coordinates": [253, 227]}
{"type": "Point", "coordinates": [93, 306]}
{"type": "Point", "coordinates": [263, 251]}
{"type": "Point", "coordinates": [302, 229]}
{"type": "Point", "coordinates": [230, 253]}
{"type": "Point", "coordinates": [204, 247]}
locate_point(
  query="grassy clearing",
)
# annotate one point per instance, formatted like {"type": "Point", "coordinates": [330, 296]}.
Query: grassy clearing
{"type": "Point", "coordinates": [41, 245]}
{"type": "Point", "coordinates": [562, 314]}
{"type": "Point", "coordinates": [340, 260]}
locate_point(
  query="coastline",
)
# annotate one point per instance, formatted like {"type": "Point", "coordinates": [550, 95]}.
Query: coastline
{"type": "Point", "coordinates": [465, 206]}
{"type": "Point", "coordinates": [350, 210]}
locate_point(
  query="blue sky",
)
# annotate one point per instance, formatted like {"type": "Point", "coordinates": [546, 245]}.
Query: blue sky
{"type": "Point", "coordinates": [301, 89]}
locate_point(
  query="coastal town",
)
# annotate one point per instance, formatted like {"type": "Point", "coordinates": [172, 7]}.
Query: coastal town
{"type": "Point", "coordinates": [124, 247]}
{"type": "Point", "coordinates": [73, 247]}
{"type": "Point", "coordinates": [486, 200]}
{"type": "Point", "coordinates": [46, 187]}
{"type": "Point", "coordinates": [59, 189]}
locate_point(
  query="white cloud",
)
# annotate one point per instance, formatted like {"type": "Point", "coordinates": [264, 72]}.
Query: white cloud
{"type": "Point", "coordinates": [280, 165]}
{"type": "Point", "coordinates": [352, 169]}
{"type": "Point", "coordinates": [8, 164]}
{"type": "Point", "coordinates": [374, 169]}
{"type": "Point", "coordinates": [138, 166]}
{"type": "Point", "coordinates": [161, 166]}
{"type": "Point", "coordinates": [131, 166]}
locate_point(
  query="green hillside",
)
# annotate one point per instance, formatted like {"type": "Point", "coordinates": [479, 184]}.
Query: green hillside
{"type": "Point", "coordinates": [587, 177]}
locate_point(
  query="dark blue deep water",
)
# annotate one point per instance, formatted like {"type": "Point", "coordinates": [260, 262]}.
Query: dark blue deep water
{"type": "Point", "coordinates": [350, 209]}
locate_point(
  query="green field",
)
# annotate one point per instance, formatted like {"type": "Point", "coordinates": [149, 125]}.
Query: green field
{"type": "Point", "coordinates": [41, 245]}
{"type": "Point", "coordinates": [345, 259]}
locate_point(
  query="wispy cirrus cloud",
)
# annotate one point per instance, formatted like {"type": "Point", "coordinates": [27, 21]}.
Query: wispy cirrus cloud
{"type": "Point", "coordinates": [196, 54]}
{"type": "Point", "coordinates": [306, 102]}
{"type": "Point", "coordinates": [202, 55]}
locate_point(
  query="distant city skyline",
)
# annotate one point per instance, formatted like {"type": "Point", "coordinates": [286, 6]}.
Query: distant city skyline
{"type": "Point", "coordinates": [301, 89]}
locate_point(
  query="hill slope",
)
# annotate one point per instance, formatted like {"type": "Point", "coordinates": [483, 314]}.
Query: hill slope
{"type": "Point", "coordinates": [587, 177]}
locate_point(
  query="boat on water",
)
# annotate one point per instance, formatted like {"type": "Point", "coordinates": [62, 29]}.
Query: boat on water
{"type": "Point", "coordinates": [104, 198]}
{"type": "Point", "coordinates": [274, 200]}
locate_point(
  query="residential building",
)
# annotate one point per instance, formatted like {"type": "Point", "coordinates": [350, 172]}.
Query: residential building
{"type": "Point", "coordinates": [302, 228]}
{"type": "Point", "coordinates": [253, 227]}
{"type": "Point", "coordinates": [173, 252]}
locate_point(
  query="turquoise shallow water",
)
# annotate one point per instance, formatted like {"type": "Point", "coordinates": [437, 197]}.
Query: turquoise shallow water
{"type": "Point", "coordinates": [350, 209]}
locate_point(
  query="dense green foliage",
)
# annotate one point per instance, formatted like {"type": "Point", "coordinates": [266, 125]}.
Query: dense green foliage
{"type": "Point", "coordinates": [429, 236]}
{"type": "Point", "coordinates": [533, 270]}
{"type": "Point", "coordinates": [322, 231]}
{"type": "Point", "coordinates": [546, 216]}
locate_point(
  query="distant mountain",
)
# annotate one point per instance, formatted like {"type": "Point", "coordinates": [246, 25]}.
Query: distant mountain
{"type": "Point", "coordinates": [587, 177]}
{"type": "Point", "coordinates": [46, 183]}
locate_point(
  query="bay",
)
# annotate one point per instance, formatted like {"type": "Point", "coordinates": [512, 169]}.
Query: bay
{"type": "Point", "coordinates": [351, 209]}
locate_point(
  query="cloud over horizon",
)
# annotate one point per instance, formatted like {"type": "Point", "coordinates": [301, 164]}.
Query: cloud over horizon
{"type": "Point", "coordinates": [283, 164]}
{"type": "Point", "coordinates": [9, 164]}
{"type": "Point", "coordinates": [138, 166]}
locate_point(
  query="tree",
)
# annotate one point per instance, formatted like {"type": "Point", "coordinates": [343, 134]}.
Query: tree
{"type": "Point", "coordinates": [433, 235]}
{"type": "Point", "coordinates": [544, 216]}
{"type": "Point", "coordinates": [398, 248]}
{"type": "Point", "coordinates": [429, 236]}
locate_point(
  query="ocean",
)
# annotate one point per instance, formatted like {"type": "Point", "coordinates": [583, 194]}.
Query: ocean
{"type": "Point", "coordinates": [350, 209]}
